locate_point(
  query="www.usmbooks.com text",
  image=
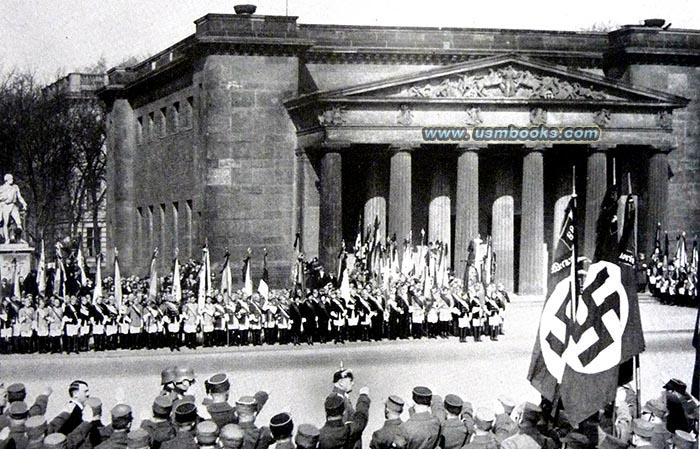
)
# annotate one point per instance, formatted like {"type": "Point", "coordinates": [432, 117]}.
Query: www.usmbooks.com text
{"type": "Point", "coordinates": [512, 133]}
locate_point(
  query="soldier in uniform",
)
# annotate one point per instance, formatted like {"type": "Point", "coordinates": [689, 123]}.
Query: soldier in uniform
{"type": "Point", "coordinates": [124, 323]}
{"type": "Point", "coordinates": [282, 428]}
{"type": "Point", "coordinates": [390, 435]}
{"type": "Point", "coordinates": [221, 412]}
{"type": "Point", "coordinates": [121, 424]}
{"type": "Point", "coordinates": [55, 319]}
{"type": "Point", "coordinates": [343, 382]}
{"type": "Point", "coordinates": [185, 419]}
{"type": "Point", "coordinates": [527, 433]}
{"type": "Point", "coordinates": [219, 322]}
{"type": "Point", "coordinates": [283, 324]}
{"type": "Point", "coordinates": [152, 323]}
{"type": "Point", "coordinates": [190, 320]}
{"type": "Point", "coordinates": [476, 313]}
{"type": "Point", "coordinates": [295, 318]}
{"type": "Point", "coordinates": [422, 429]}
{"type": "Point", "coordinates": [136, 322]}
{"type": "Point", "coordinates": [207, 319]}
{"type": "Point", "coordinates": [231, 436]}
{"type": "Point", "coordinates": [25, 318]}
{"type": "Point", "coordinates": [159, 426]}
{"type": "Point", "coordinates": [336, 311]}
{"type": "Point", "coordinates": [336, 434]}
{"type": "Point", "coordinates": [253, 437]}
{"type": "Point", "coordinates": [111, 314]}
{"type": "Point", "coordinates": [70, 318]}
{"type": "Point", "coordinates": [454, 433]}
{"type": "Point", "coordinates": [41, 323]}
{"type": "Point", "coordinates": [97, 320]}
{"type": "Point", "coordinates": [483, 438]}
{"type": "Point", "coordinates": [255, 320]}
{"type": "Point", "coordinates": [84, 320]}
{"type": "Point", "coordinates": [232, 324]}
{"type": "Point", "coordinates": [504, 426]}
{"type": "Point", "coordinates": [307, 437]}
{"type": "Point", "coordinates": [207, 435]}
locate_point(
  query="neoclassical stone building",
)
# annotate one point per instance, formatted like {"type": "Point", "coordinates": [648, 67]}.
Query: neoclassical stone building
{"type": "Point", "coordinates": [257, 127]}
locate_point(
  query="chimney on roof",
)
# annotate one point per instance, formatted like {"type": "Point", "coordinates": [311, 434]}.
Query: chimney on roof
{"type": "Point", "coordinates": [245, 10]}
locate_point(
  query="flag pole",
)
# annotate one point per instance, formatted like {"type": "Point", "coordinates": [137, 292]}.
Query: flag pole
{"type": "Point", "coordinates": [574, 252]}
{"type": "Point", "coordinates": [636, 365]}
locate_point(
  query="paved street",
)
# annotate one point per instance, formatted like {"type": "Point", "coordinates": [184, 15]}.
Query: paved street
{"type": "Point", "coordinates": [298, 378]}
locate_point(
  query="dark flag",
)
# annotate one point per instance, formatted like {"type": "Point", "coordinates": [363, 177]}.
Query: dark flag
{"type": "Point", "coordinates": [547, 364]}
{"type": "Point", "coordinates": [695, 387]}
{"type": "Point", "coordinates": [606, 331]}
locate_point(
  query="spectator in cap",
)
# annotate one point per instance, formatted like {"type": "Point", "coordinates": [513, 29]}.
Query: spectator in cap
{"type": "Point", "coordinates": [454, 431]}
{"type": "Point", "coordinates": [221, 412]}
{"type": "Point", "coordinates": [468, 417]}
{"type": "Point", "coordinates": [231, 436]}
{"type": "Point", "coordinates": [159, 426]}
{"type": "Point", "coordinates": [121, 424]}
{"type": "Point", "coordinates": [207, 435]}
{"type": "Point", "coordinates": [35, 428]}
{"type": "Point", "coordinates": [390, 433]}
{"type": "Point", "coordinates": [504, 426]}
{"type": "Point", "coordinates": [307, 437]}
{"type": "Point", "coordinates": [483, 438]}
{"type": "Point", "coordinates": [282, 428]}
{"type": "Point", "coordinates": [611, 442]}
{"type": "Point", "coordinates": [138, 439]}
{"type": "Point", "coordinates": [247, 409]}
{"type": "Point", "coordinates": [343, 382]}
{"type": "Point", "coordinates": [576, 440]}
{"type": "Point", "coordinates": [528, 435]}
{"type": "Point", "coordinates": [642, 432]}
{"type": "Point", "coordinates": [17, 393]}
{"type": "Point", "coordinates": [423, 426]}
{"type": "Point", "coordinates": [55, 441]}
{"type": "Point", "coordinates": [99, 432]}
{"type": "Point", "coordinates": [4, 420]}
{"type": "Point", "coordinates": [18, 413]}
{"type": "Point", "coordinates": [185, 420]}
{"type": "Point", "coordinates": [334, 432]}
{"type": "Point", "coordinates": [661, 438]}
{"type": "Point", "coordinates": [684, 440]}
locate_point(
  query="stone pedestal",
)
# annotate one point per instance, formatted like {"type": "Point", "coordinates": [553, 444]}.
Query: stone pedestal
{"type": "Point", "coordinates": [657, 195]}
{"type": "Point", "coordinates": [22, 253]}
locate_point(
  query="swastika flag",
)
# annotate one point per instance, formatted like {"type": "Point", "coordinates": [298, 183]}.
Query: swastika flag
{"type": "Point", "coordinates": [584, 340]}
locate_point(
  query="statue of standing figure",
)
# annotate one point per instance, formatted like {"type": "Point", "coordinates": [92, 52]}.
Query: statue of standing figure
{"type": "Point", "coordinates": [10, 200]}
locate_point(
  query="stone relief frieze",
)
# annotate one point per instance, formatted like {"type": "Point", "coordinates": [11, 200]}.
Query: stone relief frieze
{"type": "Point", "coordinates": [505, 82]}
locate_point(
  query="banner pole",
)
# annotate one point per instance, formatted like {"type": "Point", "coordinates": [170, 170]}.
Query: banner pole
{"type": "Point", "coordinates": [638, 385]}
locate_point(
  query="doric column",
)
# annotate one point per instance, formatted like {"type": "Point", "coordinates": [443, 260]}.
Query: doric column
{"type": "Point", "coordinates": [331, 209]}
{"type": "Point", "coordinates": [400, 193]}
{"type": "Point", "coordinates": [657, 196]}
{"type": "Point", "coordinates": [531, 280]}
{"type": "Point", "coordinates": [467, 206]}
{"type": "Point", "coordinates": [503, 223]}
{"type": "Point", "coordinates": [596, 184]}
{"type": "Point", "coordinates": [439, 208]}
{"type": "Point", "coordinates": [375, 202]}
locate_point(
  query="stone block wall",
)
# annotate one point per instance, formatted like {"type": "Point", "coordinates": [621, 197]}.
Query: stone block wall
{"type": "Point", "coordinates": [683, 209]}
{"type": "Point", "coordinates": [248, 144]}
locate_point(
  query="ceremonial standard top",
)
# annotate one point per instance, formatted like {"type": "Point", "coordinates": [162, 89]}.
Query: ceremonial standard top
{"type": "Point", "coordinates": [257, 127]}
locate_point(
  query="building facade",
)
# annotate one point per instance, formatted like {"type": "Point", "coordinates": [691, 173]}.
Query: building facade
{"type": "Point", "coordinates": [256, 127]}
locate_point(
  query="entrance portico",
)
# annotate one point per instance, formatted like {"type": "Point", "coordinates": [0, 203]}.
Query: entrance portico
{"type": "Point", "coordinates": [366, 146]}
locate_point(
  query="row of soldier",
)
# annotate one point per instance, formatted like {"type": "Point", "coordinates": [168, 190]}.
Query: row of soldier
{"type": "Point", "coordinates": [179, 421]}
{"type": "Point", "coordinates": [369, 312]}
{"type": "Point", "coordinates": [672, 277]}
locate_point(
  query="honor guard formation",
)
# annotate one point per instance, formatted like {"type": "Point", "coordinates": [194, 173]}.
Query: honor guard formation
{"type": "Point", "coordinates": [424, 420]}
{"type": "Point", "coordinates": [671, 276]}
{"type": "Point", "coordinates": [373, 297]}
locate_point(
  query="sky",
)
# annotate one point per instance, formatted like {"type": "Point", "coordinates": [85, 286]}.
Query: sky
{"type": "Point", "coordinates": [55, 37]}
